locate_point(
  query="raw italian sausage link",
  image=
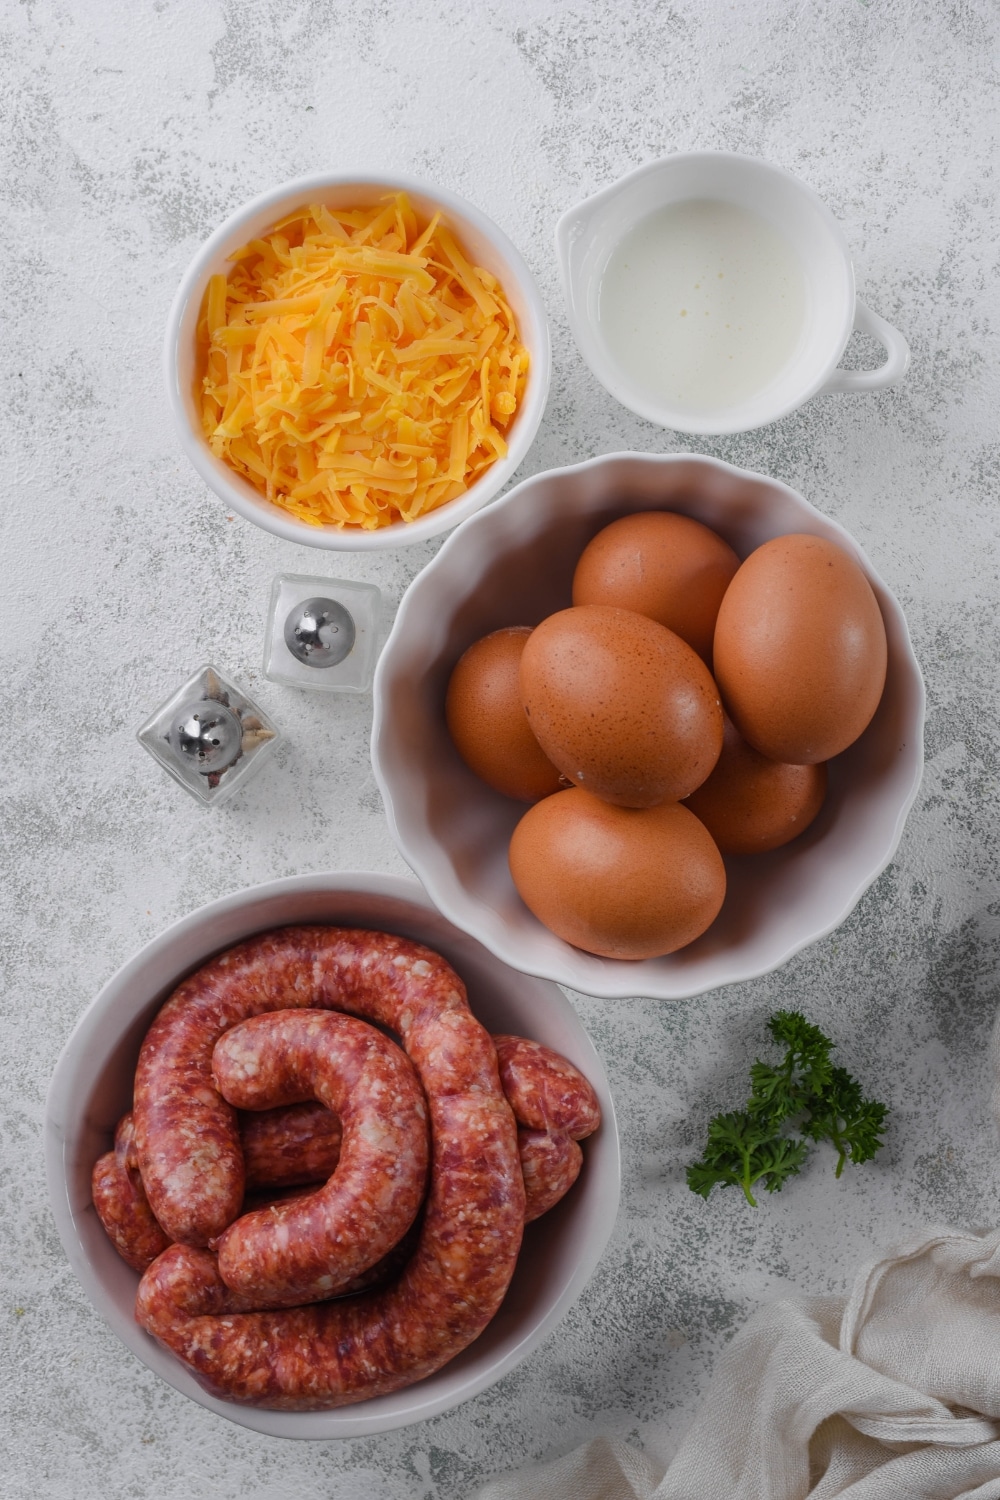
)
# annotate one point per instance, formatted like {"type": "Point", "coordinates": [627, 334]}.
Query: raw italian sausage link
{"type": "Point", "coordinates": [310, 1247]}
{"type": "Point", "coordinates": [554, 1106]}
{"type": "Point", "coordinates": [550, 1163]}
{"type": "Point", "coordinates": [290, 1146]}
{"type": "Point", "coordinates": [544, 1089]}
{"type": "Point", "coordinates": [122, 1205]}
{"type": "Point", "coordinates": [379, 1274]}
{"type": "Point", "coordinates": [334, 1354]}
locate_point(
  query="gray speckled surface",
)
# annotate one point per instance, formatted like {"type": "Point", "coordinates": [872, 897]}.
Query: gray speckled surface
{"type": "Point", "coordinates": [127, 133]}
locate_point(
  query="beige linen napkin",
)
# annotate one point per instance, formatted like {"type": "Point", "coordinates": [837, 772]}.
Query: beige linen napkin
{"type": "Point", "coordinates": [891, 1395]}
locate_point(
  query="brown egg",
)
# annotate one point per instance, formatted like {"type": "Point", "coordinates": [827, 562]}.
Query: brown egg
{"type": "Point", "coordinates": [750, 804]}
{"type": "Point", "coordinates": [800, 650]}
{"type": "Point", "coordinates": [621, 705]}
{"type": "Point", "coordinates": [618, 881]}
{"type": "Point", "coordinates": [663, 565]}
{"type": "Point", "coordinates": [487, 720]}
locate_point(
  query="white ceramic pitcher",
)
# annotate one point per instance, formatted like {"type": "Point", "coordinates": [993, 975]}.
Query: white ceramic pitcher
{"type": "Point", "coordinates": [587, 236]}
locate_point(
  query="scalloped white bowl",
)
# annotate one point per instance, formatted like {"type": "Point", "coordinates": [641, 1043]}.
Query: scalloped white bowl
{"type": "Point", "coordinates": [513, 565]}
{"type": "Point", "coordinates": [92, 1087]}
{"type": "Point", "coordinates": [485, 243]}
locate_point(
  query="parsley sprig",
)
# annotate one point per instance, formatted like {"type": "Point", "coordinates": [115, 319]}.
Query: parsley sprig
{"type": "Point", "coordinates": [750, 1146]}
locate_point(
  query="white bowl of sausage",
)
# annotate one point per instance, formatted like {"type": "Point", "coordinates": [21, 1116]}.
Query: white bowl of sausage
{"type": "Point", "coordinates": [513, 565]}
{"type": "Point", "coordinates": [92, 1087]}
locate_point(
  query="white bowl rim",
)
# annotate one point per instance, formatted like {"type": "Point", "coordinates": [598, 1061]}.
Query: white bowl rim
{"type": "Point", "coordinates": [621, 983]}
{"type": "Point", "coordinates": [342, 1422]}
{"type": "Point", "coordinates": [284, 525]}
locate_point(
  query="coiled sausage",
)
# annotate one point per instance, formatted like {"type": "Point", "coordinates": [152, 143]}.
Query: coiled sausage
{"type": "Point", "coordinates": [329, 1354]}
{"type": "Point", "coordinates": [310, 1247]}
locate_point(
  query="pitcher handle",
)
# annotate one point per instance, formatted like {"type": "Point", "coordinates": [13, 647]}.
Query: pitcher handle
{"type": "Point", "coordinates": [897, 356]}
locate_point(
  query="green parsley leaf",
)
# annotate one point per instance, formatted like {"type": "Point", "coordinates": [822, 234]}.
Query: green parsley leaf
{"type": "Point", "coordinates": [743, 1151]}
{"type": "Point", "coordinates": [749, 1146]}
{"type": "Point", "coordinates": [850, 1122]}
{"type": "Point", "coordinates": [774, 1096]}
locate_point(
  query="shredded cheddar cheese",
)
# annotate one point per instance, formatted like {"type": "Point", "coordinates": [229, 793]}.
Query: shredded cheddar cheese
{"type": "Point", "coordinates": [356, 368]}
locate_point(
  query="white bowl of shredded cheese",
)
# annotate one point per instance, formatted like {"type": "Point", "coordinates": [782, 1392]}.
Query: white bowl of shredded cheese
{"type": "Point", "coordinates": [357, 363]}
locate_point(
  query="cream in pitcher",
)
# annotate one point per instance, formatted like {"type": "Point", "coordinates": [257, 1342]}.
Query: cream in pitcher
{"type": "Point", "coordinates": [702, 303]}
